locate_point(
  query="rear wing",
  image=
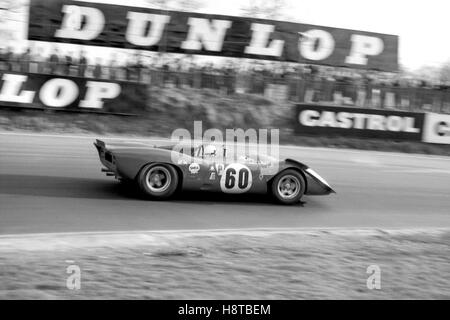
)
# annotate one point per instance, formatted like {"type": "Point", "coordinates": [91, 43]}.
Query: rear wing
{"type": "Point", "coordinates": [101, 148]}
{"type": "Point", "coordinates": [106, 157]}
{"type": "Point", "coordinates": [99, 144]}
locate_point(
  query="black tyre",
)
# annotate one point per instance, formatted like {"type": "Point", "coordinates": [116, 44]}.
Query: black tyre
{"type": "Point", "coordinates": [158, 181]}
{"type": "Point", "coordinates": [288, 186]}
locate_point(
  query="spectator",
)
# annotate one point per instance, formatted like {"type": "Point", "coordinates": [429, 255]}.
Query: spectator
{"type": "Point", "coordinates": [25, 59]}
{"type": "Point", "coordinates": [54, 61]}
{"type": "Point", "coordinates": [15, 61]}
{"type": "Point", "coordinates": [7, 59]}
{"type": "Point", "coordinates": [98, 68]}
{"type": "Point", "coordinates": [82, 64]}
{"type": "Point", "coordinates": [128, 69]}
{"type": "Point", "coordinates": [138, 66]}
{"type": "Point", "coordinates": [38, 64]}
{"type": "Point", "coordinates": [165, 73]}
{"type": "Point", "coordinates": [246, 76]}
{"type": "Point", "coordinates": [3, 60]}
{"type": "Point", "coordinates": [112, 68]}
{"type": "Point", "coordinates": [68, 63]}
{"type": "Point", "coordinates": [230, 78]}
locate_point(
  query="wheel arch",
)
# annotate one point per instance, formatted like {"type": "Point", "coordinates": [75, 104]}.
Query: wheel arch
{"type": "Point", "coordinates": [295, 168]}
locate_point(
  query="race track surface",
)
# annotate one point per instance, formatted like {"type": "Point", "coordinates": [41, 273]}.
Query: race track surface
{"type": "Point", "coordinates": [54, 184]}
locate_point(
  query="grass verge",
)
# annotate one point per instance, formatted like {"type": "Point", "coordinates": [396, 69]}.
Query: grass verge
{"type": "Point", "coordinates": [173, 108]}
{"type": "Point", "coordinates": [221, 265]}
{"type": "Point", "coordinates": [62, 123]}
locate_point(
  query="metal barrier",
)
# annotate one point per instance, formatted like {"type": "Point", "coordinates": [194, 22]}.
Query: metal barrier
{"type": "Point", "coordinates": [285, 88]}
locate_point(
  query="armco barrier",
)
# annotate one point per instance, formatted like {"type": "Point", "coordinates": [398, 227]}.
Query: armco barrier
{"type": "Point", "coordinates": [370, 96]}
{"type": "Point", "coordinates": [71, 93]}
{"type": "Point", "coordinates": [358, 122]}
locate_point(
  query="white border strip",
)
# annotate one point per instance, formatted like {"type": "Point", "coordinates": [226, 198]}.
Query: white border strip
{"type": "Point", "coordinates": [165, 140]}
{"type": "Point", "coordinates": [76, 240]}
{"type": "Point", "coordinates": [207, 232]}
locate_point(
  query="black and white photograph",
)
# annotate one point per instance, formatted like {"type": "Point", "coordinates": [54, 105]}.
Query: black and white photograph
{"type": "Point", "coordinates": [206, 152]}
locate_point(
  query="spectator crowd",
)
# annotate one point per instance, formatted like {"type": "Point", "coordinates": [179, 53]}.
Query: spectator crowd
{"type": "Point", "coordinates": [228, 76]}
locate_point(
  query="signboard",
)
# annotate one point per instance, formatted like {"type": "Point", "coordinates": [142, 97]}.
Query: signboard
{"type": "Point", "coordinates": [70, 93]}
{"type": "Point", "coordinates": [436, 128]}
{"type": "Point", "coordinates": [358, 122]}
{"type": "Point", "coordinates": [194, 33]}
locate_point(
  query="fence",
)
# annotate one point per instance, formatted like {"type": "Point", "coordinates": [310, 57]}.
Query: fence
{"type": "Point", "coordinates": [289, 87]}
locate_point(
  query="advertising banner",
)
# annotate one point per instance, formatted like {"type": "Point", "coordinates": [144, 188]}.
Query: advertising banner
{"type": "Point", "coordinates": [70, 93]}
{"type": "Point", "coordinates": [194, 33]}
{"type": "Point", "coordinates": [358, 122]}
{"type": "Point", "coordinates": [437, 128]}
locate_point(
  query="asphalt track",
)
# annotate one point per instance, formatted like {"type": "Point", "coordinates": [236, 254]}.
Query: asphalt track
{"type": "Point", "coordinates": [54, 184]}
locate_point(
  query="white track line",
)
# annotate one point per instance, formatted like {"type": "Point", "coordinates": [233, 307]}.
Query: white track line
{"type": "Point", "coordinates": [90, 137]}
{"type": "Point", "coordinates": [243, 231]}
{"type": "Point", "coordinates": [166, 238]}
{"type": "Point", "coordinates": [164, 140]}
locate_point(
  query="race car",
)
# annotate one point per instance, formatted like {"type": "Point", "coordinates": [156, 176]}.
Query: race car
{"type": "Point", "coordinates": [160, 171]}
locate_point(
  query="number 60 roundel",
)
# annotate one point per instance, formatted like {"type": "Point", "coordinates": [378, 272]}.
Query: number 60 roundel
{"type": "Point", "coordinates": [236, 178]}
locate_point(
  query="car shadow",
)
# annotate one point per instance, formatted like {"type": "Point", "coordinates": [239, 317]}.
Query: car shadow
{"type": "Point", "coordinates": [217, 197]}
{"type": "Point", "coordinates": [66, 187]}
{"type": "Point", "coordinates": [90, 188]}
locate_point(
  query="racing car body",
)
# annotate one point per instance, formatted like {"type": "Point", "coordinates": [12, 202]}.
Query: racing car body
{"type": "Point", "coordinates": [161, 171]}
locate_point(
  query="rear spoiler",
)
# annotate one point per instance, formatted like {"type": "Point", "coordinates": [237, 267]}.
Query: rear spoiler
{"type": "Point", "coordinates": [99, 144]}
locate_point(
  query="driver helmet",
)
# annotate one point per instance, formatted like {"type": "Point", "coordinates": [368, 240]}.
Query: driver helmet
{"type": "Point", "coordinates": [210, 150]}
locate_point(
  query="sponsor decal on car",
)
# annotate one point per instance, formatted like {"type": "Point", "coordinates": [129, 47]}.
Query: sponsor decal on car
{"type": "Point", "coordinates": [194, 168]}
{"type": "Point", "coordinates": [219, 168]}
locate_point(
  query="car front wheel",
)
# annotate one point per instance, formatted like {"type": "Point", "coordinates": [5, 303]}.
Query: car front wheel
{"type": "Point", "coordinates": [288, 186]}
{"type": "Point", "coordinates": [158, 181]}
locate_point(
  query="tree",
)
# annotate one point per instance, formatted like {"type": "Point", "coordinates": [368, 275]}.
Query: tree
{"type": "Point", "coordinates": [8, 7]}
{"type": "Point", "coordinates": [444, 72]}
{"type": "Point", "coordinates": [9, 10]}
{"type": "Point", "coordinates": [265, 9]}
{"type": "Point", "coordinates": [427, 73]}
{"type": "Point", "coordinates": [186, 5]}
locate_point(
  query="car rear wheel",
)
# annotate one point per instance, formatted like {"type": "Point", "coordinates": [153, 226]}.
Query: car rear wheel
{"type": "Point", "coordinates": [288, 186]}
{"type": "Point", "coordinates": [158, 181]}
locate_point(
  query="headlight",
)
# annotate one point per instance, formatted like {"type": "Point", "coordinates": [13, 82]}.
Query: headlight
{"type": "Point", "coordinates": [318, 177]}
